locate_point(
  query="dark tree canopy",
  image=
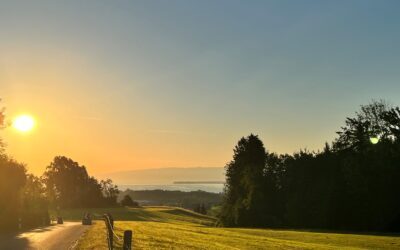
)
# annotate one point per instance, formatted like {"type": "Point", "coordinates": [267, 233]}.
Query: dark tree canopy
{"type": "Point", "coordinates": [110, 191]}
{"type": "Point", "coordinates": [12, 181]}
{"type": "Point", "coordinates": [127, 201]}
{"type": "Point", "coordinates": [69, 185]}
{"type": "Point", "coordinates": [352, 184]}
{"type": "Point", "coordinates": [243, 187]}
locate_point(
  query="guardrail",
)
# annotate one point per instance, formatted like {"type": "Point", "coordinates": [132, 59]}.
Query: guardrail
{"type": "Point", "coordinates": [127, 240]}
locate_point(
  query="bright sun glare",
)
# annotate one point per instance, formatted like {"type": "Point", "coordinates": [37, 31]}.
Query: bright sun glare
{"type": "Point", "coordinates": [24, 123]}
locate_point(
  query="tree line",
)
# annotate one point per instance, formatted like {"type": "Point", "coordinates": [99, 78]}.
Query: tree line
{"type": "Point", "coordinates": [352, 184]}
{"type": "Point", "coordinates": [26, 199]}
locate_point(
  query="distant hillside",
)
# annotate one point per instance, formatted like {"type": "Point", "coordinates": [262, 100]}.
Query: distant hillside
{"type": "Point", "coordinates": [173, 198]}
{"type": "Point", "coordinates": [162, 176]}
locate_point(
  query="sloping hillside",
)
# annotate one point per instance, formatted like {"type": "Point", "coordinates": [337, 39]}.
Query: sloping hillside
{"type": "Point", "coordinates": [175, 228]}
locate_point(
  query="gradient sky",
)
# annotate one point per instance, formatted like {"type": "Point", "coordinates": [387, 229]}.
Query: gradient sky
{"type": "Point", "coordinates": [120, 85]}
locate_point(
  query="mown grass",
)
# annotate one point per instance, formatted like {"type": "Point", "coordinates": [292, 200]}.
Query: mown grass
{"type": "Point", "coordinates": [156, 214]}
{"type": "Point", "coordinates": [175, 228]}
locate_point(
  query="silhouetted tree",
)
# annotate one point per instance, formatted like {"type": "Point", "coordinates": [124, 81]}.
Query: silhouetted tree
{"type": "Point", "coordinates": [203, 209]}
{"type": "Point", "coordinates": [200, 208]}
{"type": "Point", "coordinates": [12, 180]}
{"type": "Point", "coordinates": [368, 123]}
{"type": "Point", "coordinates": [34, 203]}
{"type": "Point", "coordinates": [110, 191]}
{"type": "Point", "coordinates": [69, 185]}
{"type": "Point", "coordinates": [352, 184]}
{"type": "Point", "coordinates": [244, 183]}
{"type": "Point", "coordinates": [127, 201]}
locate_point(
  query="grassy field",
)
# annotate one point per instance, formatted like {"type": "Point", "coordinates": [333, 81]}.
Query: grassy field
{"type": "Point", "coordinates": [175, 228]}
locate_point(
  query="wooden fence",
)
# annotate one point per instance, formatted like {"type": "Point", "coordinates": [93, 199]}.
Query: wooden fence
{"type": "Point", "coordinates": [111, 235]}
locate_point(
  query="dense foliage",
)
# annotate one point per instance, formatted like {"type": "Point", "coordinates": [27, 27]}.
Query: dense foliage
{"type": "Point", "coordinates": [68, 185]}
{"type": "Point", "coordinates": [353, 184]}
{"type": "Point", "coordinates": [128, 202]}
{"type": "Point", "coordinates": [12, 181]}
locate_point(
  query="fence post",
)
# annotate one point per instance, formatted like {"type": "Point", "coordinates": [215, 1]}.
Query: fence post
{"type": "Point", "coordinates": [109, 232]}
{"type": "Point", "coordinates": [111, 219]}
{"type": "Point", "coordinates": [127, 240]}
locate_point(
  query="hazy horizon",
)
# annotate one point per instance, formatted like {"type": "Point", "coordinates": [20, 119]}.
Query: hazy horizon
{"type": "Point", "coordinates": [164, 176]}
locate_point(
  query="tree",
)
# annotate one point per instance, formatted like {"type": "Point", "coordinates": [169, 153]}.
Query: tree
{"type": "Point", "coordinates": [350, 185]}
{"type": "Point", "coordinates": [370, 168]}
{"type": "Point", "coordinates": [110, 191]}
{"type": "Point", "coordinates": [34, 203]}
{"type": "Point", "coordinates": [244, 182]}
{"type": "Point", "coordinates": [273, 189]}
{"type": "Point", "coordinates": [127, 201]}
{"type": "Point", "coordinates": [200, 208]}
{"type": "Point", "coordinates": [369, 123]}
{"type": "Point", "coordinates": [392, 119]}
{"type": "Point", "coordinates": [12, 181]}
{"type": "Point", "coordinates": [68, 184]}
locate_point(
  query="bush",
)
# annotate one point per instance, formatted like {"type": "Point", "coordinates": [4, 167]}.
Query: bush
{"type": "Point", "coordinates": [127, 201]}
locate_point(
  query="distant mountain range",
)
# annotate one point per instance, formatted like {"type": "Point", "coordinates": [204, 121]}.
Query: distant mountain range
{"type": "Point", "coordinates": [163, 176]}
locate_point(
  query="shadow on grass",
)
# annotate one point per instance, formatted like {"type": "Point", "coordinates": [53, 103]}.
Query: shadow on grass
{"type": "Point", "coordinates": [321, 231]}
{"type": "Point", "coordinates": [121, 214]}
{"type": "Point", "coordinates": [13, 241]}
{"type": "Point", "coordinates": [151, 213]}
{"type": "Point", "coordinates": [181, 212]}
{"type": "Point", "coordinates": [366, 233]}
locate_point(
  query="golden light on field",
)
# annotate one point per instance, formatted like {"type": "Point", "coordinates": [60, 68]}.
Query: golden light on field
{"type": "Point", "coordinates": [24, 123]}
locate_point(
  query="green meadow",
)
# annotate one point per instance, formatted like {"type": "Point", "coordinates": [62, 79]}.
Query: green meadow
{"type": "Point", "coordinates": [176, 228]}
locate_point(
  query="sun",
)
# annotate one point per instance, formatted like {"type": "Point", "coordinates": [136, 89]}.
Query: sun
{"type": "Point", "coordinates": [24, 123]}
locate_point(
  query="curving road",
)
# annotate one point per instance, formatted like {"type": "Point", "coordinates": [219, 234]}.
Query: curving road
{"type": "Point", "coordinates": [58, 237]}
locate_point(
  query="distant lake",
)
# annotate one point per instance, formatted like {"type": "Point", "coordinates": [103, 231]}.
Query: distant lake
{"type": "Point", "coordinates": [213, 188]}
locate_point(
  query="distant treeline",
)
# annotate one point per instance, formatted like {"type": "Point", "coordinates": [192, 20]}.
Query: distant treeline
{"type": "Point", "coordinates": [352, 184]}
{"type": "Point", "coordinates": [199, 182]}
{"type": "Point", "coordinates": [189, 200]}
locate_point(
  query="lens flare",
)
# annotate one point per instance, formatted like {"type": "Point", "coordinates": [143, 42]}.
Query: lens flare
{"type": "Point", "coordinates": [374, 140]}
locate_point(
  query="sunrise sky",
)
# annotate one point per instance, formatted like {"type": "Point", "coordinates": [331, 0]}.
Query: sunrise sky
{"type": "Point", "coordinates": [120, 85]}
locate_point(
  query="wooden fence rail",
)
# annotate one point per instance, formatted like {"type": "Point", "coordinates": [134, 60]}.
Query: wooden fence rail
{"type": "Point", "coordinates": [127, 240]}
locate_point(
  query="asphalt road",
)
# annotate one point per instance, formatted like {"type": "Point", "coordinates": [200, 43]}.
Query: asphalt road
{"type": "Point", "coordinates": [58, 237]}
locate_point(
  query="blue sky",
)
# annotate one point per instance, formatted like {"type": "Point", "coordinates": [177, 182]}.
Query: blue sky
{"type": "Point", "coordinates": [175, 75]}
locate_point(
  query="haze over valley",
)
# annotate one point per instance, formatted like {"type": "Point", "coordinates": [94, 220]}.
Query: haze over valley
{"type": "Point", "coordinates": [209, 179]}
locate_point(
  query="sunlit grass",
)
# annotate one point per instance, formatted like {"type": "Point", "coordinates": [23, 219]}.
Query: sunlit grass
{"type": "Point", "coordinates": [174, 228]}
